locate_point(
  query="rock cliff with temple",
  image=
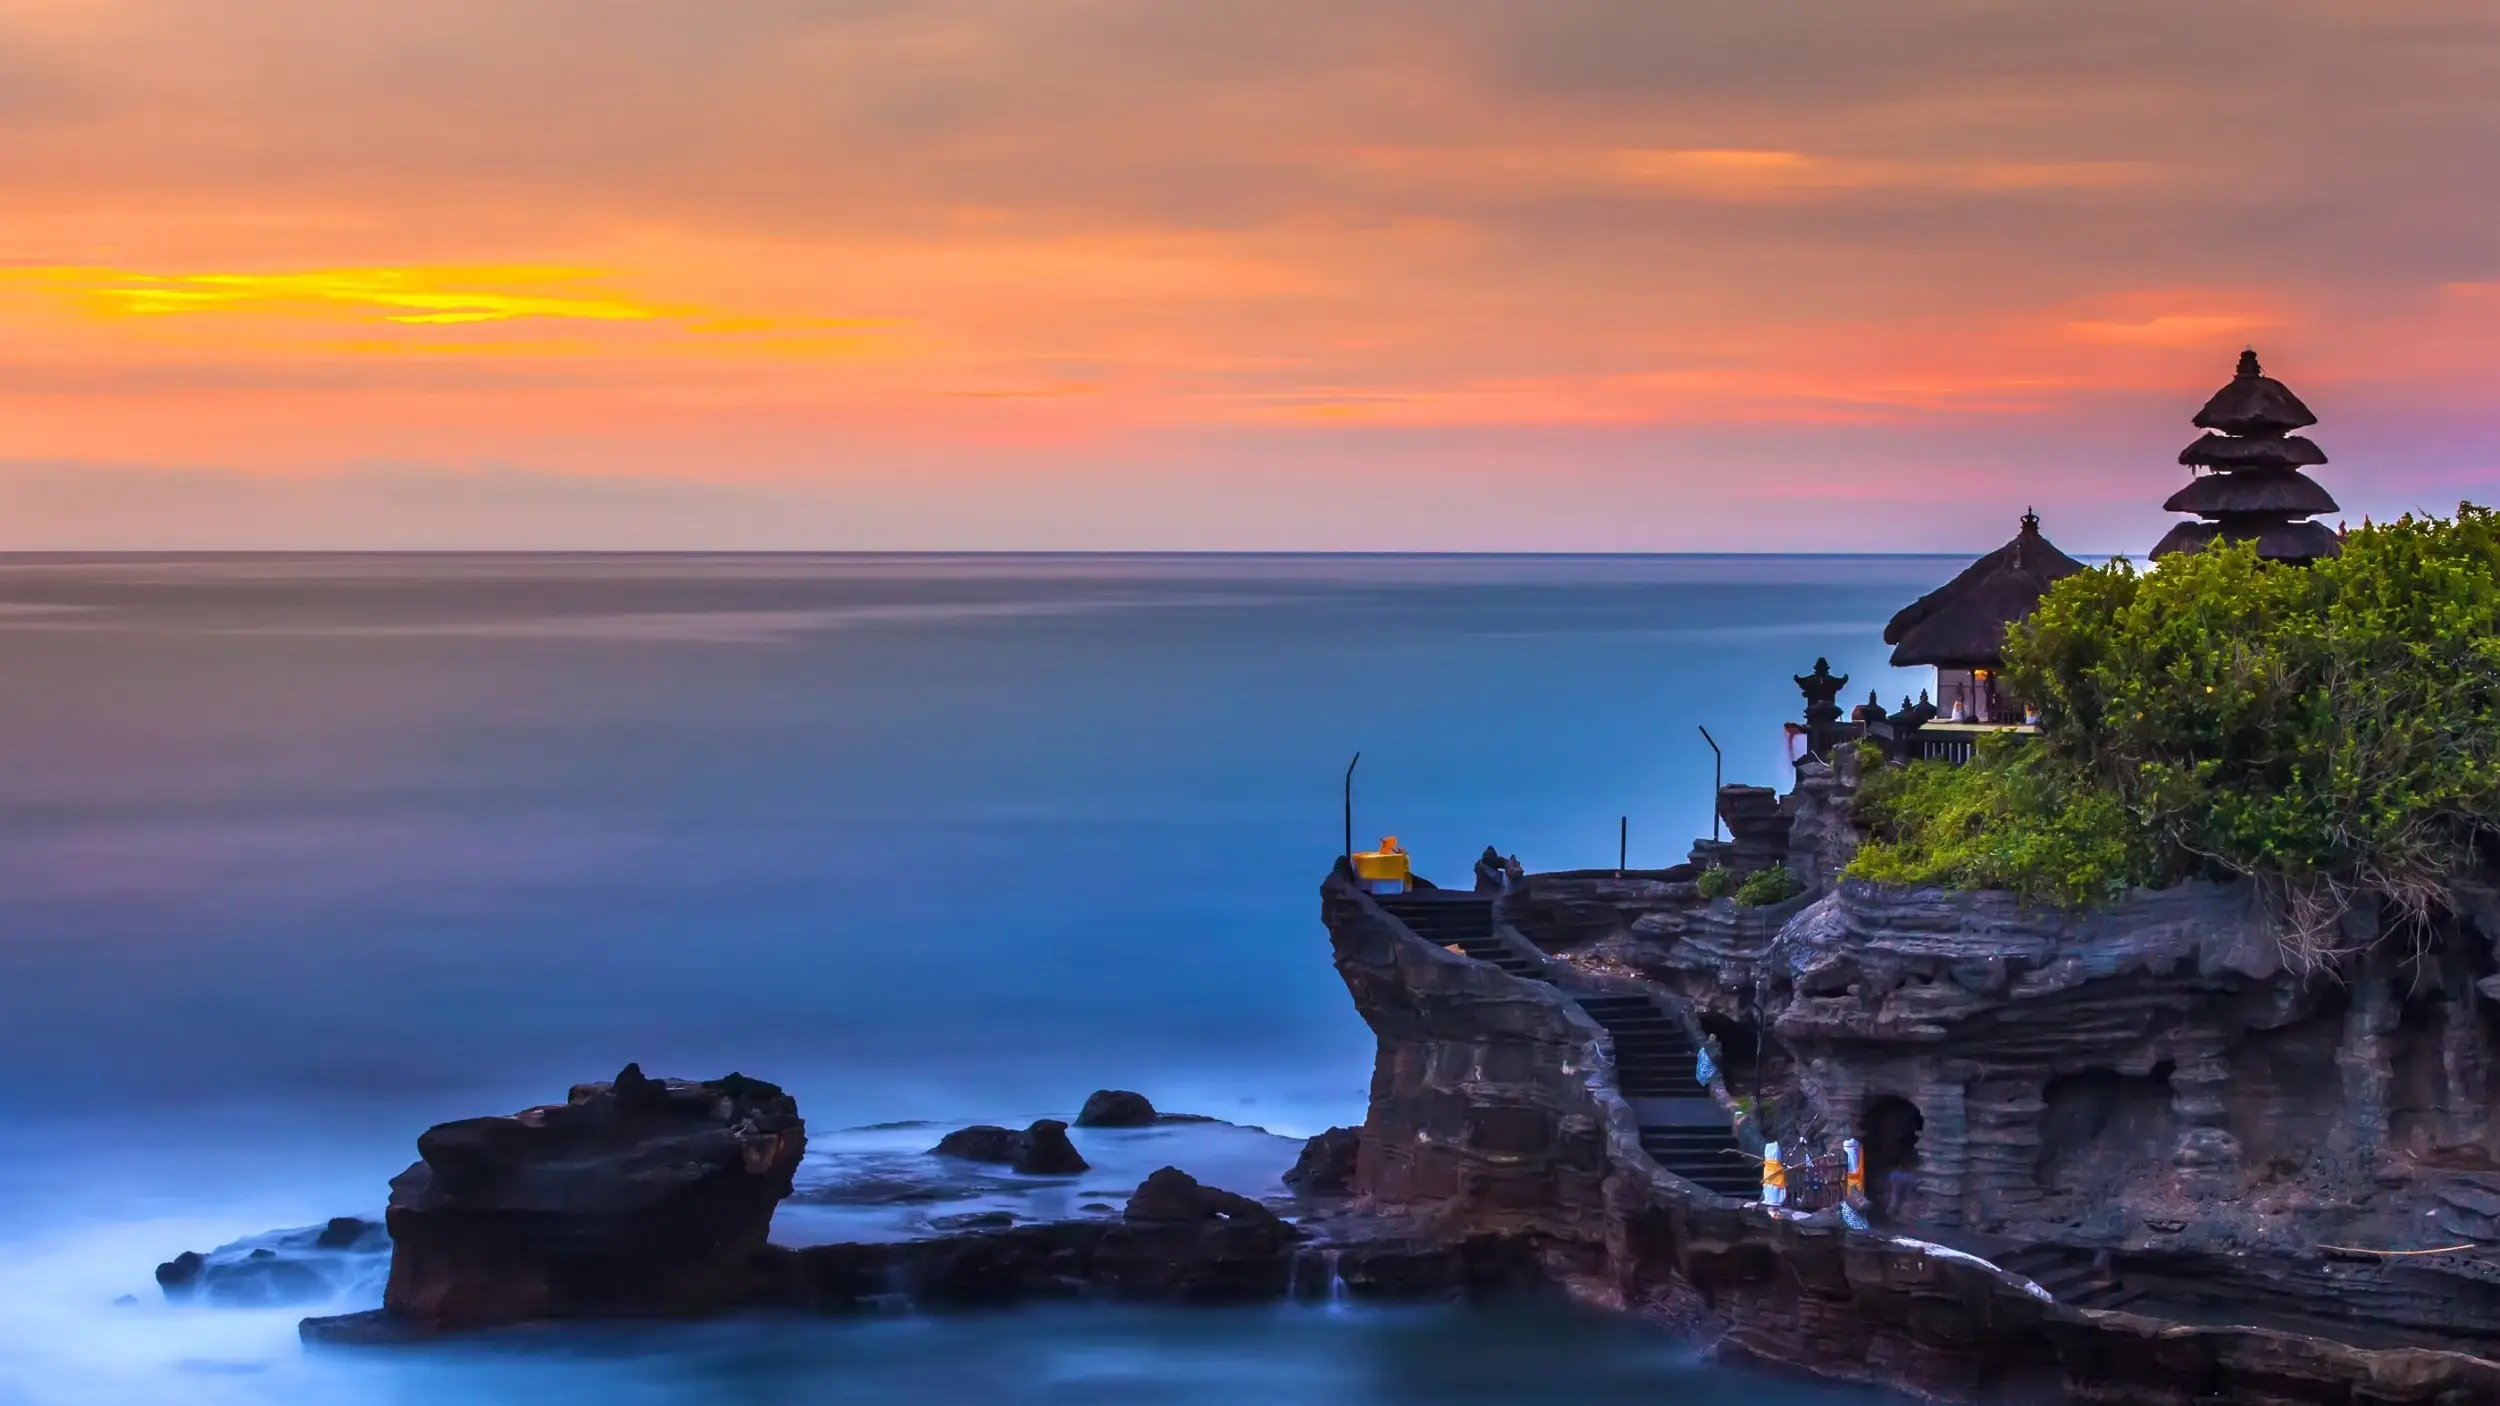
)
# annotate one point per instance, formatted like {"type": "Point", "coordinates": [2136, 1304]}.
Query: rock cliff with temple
{"type": "Point", "coordinates": [2125, 1155]}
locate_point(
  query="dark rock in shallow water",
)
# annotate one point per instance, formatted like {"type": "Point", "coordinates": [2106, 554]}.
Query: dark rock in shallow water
{"type": "Point", "coordinates": [982, 1142]}
{"type": "Point", "coordinates": [181, 1274]}
{"type": "Point", "coordinates": [346, 1232]}
{"type": "Point", "coordinates": [1040, 1150]}
{"type": "Point", "coordinates": [638, 1196]}
{"type": "Point", "coordinates": [1047, 1151]}
{"type": "Point", "coordinates": [1209, 1261]}
{"type": "Point", "coordinates": [282, 1267]}
{"type": "Point", "coordinates": [1174, 1196]}
{"type": "Point", "coordinates": [974, 1220]}
{"type": "Point", "coordinates": [1116, 1108]}
{"type": "Point", "coordinates": [1326, 1166]}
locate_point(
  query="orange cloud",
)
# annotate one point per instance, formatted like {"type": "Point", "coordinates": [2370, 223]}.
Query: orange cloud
{"type": "Point", "coordinates": [852, 242]}
{"type": "Point", "coordinates": [2168, 329]}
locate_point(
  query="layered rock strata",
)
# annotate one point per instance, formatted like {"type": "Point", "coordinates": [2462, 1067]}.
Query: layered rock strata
{"type": "Point", "coordinates": [2031, 1073]}
{"type": "Point", "coordinates": [637, 1196]}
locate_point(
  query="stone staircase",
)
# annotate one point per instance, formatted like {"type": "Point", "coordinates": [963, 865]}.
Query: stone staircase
{"type": "Point", "coordinates": [1447, 918]}
{"type": "Point", "coordinates": [2072, 1276]}
{"type": "Point", "coordinates": [1681, 1129]}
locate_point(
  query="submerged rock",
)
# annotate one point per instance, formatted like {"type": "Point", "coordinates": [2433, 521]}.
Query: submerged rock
{"type": "Point", "coordinates": [1040, 1150]}
{"type": "Point", "coordinates": [1326, 1166]}
{"type": "Point", "coordinates": [283, 1267]}
{"type": "Point", "coordinates": [1116, 1108]}
{"type": "Point", "coordinates": [636, 1196]}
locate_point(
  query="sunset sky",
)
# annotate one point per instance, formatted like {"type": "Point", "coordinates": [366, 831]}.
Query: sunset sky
{"type": "Point", "coordinates": [1424, 274]}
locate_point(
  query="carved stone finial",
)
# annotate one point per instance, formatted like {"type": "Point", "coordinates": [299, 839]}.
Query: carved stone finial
{"type": "Point", "coordinates": [1822, 690]}
{"type": "Point", "coordinates": [2248, 363]}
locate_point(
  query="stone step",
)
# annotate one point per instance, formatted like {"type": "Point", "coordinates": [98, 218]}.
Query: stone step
{"type": "Point", "coordinates": [1706, 1139]}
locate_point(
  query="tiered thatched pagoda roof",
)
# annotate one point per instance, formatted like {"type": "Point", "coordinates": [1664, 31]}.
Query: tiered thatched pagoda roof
{"type": "Point", "coordinates": [2256, 491]}
{"type": "Point", "coordinates": [1961, 624]}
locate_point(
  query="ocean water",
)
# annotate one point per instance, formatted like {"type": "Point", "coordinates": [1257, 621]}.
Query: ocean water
{"type": "Point", "coordinates": [301, 854]}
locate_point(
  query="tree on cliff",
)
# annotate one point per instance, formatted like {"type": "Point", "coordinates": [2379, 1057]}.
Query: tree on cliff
{"type": "Point", "coordinates": [2330, 731]}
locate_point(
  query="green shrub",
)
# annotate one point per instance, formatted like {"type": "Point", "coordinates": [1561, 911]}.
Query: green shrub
{"type": "Point", "coordinates": [2329, 730]}
{"type": "Point", "coordinates": [2014, 818]}
{"type": "Point", "coordinates": [1765, 886]}
{"type": "Point", "coordinates": [1715, 882]}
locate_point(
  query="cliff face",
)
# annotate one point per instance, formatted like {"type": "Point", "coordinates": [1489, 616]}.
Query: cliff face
{"type": "Point", "coordinates": [2148, 1068]}
{"type": "Point", "coordinates": [2138, 1105]}
{"type": "Point", "coordinates": [1491, 1099]}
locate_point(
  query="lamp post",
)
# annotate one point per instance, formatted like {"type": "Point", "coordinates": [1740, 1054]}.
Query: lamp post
{"type": "Point", "coordinates": [1718, 778]}
{"type": "Point", "coordinates": [1349, 807]}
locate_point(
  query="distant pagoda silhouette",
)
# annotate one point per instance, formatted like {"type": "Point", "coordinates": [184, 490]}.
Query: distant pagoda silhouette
{"type": "Point", "coordinates": [2256, 491]}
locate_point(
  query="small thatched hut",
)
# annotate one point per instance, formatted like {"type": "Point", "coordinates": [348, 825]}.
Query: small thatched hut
{"type": "Point", "coordinates": [1959, 627]}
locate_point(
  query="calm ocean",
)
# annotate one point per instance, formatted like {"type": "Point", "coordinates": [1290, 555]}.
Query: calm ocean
{"type": "Point", "coordinates": [300, 854]}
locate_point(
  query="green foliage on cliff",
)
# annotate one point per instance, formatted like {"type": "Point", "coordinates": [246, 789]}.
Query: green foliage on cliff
{"type": "Point", "coordinates": [1714, 882]}
{"type": "Point", "coordinates": [2326, 730]}
{"type": "Point", "coordinates": [2015, 818]}
{"type": "Point", "coordinates": [1767, 886]}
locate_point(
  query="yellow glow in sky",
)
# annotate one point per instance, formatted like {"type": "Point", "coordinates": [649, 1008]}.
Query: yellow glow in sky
{"type": "Point", "coordinates": [409, 295]}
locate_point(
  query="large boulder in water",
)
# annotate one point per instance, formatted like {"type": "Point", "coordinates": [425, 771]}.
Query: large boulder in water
{"type": "Point", "coordinates": [1172, 1196]}
{"type": "Point", "coordinates": [1040, 1150]}
{"type": "Point", "coordinates": [635, 1197]}
{"type": "Point", "coordinates": [1116, 1108]}
{"type": "Point", "coordinates": [1326, 1166]}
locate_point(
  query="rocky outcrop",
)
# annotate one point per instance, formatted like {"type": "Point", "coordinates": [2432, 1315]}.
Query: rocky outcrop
{"type": "Point", "coordinates": [1180, 1242]}
{"type": "Point", "coordinates": [1326, 1165]}
{"type": "Point", "coordinates": [2102, 1085]}
{"type": "Point", "coordinates": [1172, 1196]}
{"type": "Point", "coordinates": [1040, 1150]}
{"type": "Point", "coordinates": [1490, 1097]}
{"type": "Point", "coordinates": [635, 1197]}
{"type": "Point", "coordinates": [1116, 1108]}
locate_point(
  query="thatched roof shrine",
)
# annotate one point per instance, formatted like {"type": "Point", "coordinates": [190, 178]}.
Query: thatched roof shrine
{"type": "Point", "coordinates": [2213, 451]}
{"type": "Point", "coordinates": [2256, 492]}
{"type": "Point", "coordinates": [2222, 495]}
{"type": "Point", "coordinates": [2276, 540]}
{"type": "Point", "coordinates": [2254, 404]}
{"type": "Point", "coordinates": [1961, 624]}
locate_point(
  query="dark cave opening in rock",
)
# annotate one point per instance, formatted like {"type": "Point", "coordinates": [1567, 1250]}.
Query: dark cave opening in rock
{"type": "Point", "coordinates": [2418, 1093]}
{"type": "Point", "coordinates": [1888, 1129]}
{"type": "Point", "coordinates": [2099, 1127]}
{"type": "Point", "coordinates": [1740, 1052]}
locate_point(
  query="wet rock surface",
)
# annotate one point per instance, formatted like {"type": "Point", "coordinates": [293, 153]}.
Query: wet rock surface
{"type": "Point", "coordinates": [1172, 1196]}
{"type": "Point", "coordinates": [2140, 1090]}
{"type": "Point", "coordinates": [1040, 1150]}
{"type": "Point", "coordinates": [636, 1196]}
{"type": "Point", "coordinates": [310, 1265]}
{"type": "Point", "coordinates": [884, 1182]}
{"type": "Point", "coordinates": [1181, 1242]}
{"type": "Point", "coordinates": [1116, 1108]}
{"type": "Point", "coordinates": [1326, 1165]}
